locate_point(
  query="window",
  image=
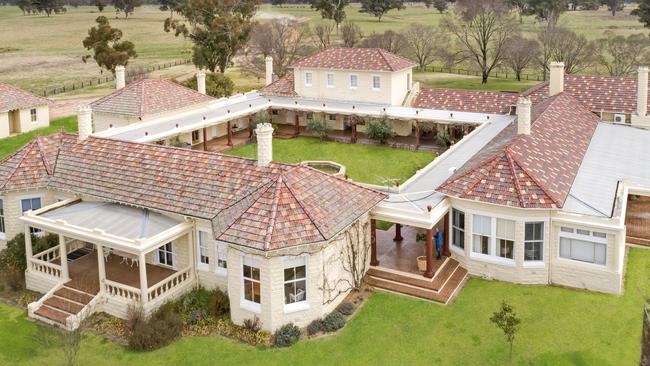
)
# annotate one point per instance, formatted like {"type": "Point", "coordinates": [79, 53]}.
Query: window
{"type": "Point", "coordinates": [506, 238]}
{"type": "Point", "coordinates": [308, 78]}
{"type": "Point", "coordinates": [274, 112]}
{"type": "Point", "coordinates": [251, 280]}
{"type": "Point", "coordinates": [376, 82]}
{"type": "Point", "coordinates": [31, 204]}
{"type": "Point", "coordinates": [195, 136]}
{"type": "Point", "coordinates": [2, 218]}
{"type": "Point", "coordinates": [534, 241]}
{"type": "Point", "coordinates": [458, 228]}
{"type": "Point", "coordinates": [33, 115]}
{"type": "Point", "coordinates": [202, 250]}
{"type": "Point", "coordinates": [221, 252]}
{"type": "Point", "coordinates": [583, 246]}
{"type": "Point", "coordinates": [295, 281]}
{"type": "Point", "coordinates": [310, 116]}
{"type": "Point", "coordinates": [332, 117]}
{"type": "Point", "coordinates": [166, 255]}
{"type": "Point", "coordinates": [330, 80]}
{"type": "Point", "coordinates": [354, 81]}
{"type": "Point", "coordinates": [482, 230]}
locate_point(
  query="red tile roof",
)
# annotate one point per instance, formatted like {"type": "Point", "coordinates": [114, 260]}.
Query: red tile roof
{"type": "Point", "coordinates": [264, 208]}
{"type": "Point", "coordinates": [13, 98]}
{"type": "Point", "coordinates": [596, 93]}
{"type": "Point", "coordinates": [284, 86]}
{"type": "Point", "coordinates": [466, 100]}
{"type": "Point", "coordinates": [149, 96]}
{"type": "Point", "coordinates": [362, 59]}
{"type": "Point", "coordinates": [529, 171]}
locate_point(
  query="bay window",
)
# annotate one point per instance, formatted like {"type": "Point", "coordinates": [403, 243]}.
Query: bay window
{"type": "Point", "coordinates": [482, 234]}
{"type": "Point", "coordinates": [251, 283]}
{"type": "Point", "coordinates": [295, 281]}
{"type": "Point", "coordinates": [583, 246]}
{"type": "Point", "coordinates": [493, 239]}
{"type": "Point", "coordinates": [458, 228]}
{"type": "Point", "coordinates": [506, 238]}
{"type": "Point", "coordinates": [534, 241]}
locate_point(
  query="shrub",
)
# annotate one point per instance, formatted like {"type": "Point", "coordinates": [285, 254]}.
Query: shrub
{"type": "Point", "coordinates": [346, 309]}
{"type": "Point", "coordinates": [379, 129]}
{"type": "Point", "coordinates": [319, 126]}
{"type": "Point", "coordinates": [443, 139]}
{"type": "Point", "coordinates": [13, 262]}
{"type": "Point", "coordinates": [227, 329]}
{"type": "Point", "coordinates": [287, 335]}
{"type": "Point", "coordinates": [315, 326]}
{"type": "Point", "coordinates": [216, 84]}
{"type": "Point", "coordinates": [253, 324]}
{"type": "Point", "coordinates": [161, 329]}
{"type": "Point", "coordinates": [333, 322]}
{"type": "Point", "coordinates": [219, 304]}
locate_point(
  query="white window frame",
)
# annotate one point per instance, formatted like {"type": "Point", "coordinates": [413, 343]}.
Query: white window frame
{"type": "Point", "coordinates": [293, 262]}
{"type": "Point", "coordinates": [309, 78]}
{"type": "Point", "coordinates": [200, 244]}
{"type": "Point", "coordinates": [356, 81]}
{"type": "Point", "coordinates": [33, 115]}
{"type": "Point", "coordinates": [461, 231]}
{"type": "Point", "coordinates": [249, 305]}
{"type": "Point", "coordinates": [3, 228]}
{"type": "Point", "coordinates": [221, 258]}
{"type": "Point", "coordinates": [156, 255]}
{"type": "Point", "coordinates": [533, 241]}
{"type": "Point", "coordinates": [35, 231]}
{"type": "Point", "coordinates": [372, 82]}
{"type": "Point", "coordinates": [492, 257]}
{"type": "Point", "coordinates": [499, 238]}
{"type": "Point", "coordinates": [327, 79]}
{"type": "Point", "coordinates": [329, 117]}
{"type": "Point", "coordinates": [565, 232]}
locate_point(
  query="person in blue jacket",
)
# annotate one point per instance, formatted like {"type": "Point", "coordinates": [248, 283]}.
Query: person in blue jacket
{"type": "Point", "coordinates": [438, 238]}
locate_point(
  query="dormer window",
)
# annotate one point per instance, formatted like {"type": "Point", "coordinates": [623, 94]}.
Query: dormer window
{"type": "Point", "coordinates": [354, 81]}
{"type": "Point", "coordinates": [376, 82]}
{"type": "Point", "coordinates": [308, 78]}
{"type": "Point", "coordinates": [330, 80]}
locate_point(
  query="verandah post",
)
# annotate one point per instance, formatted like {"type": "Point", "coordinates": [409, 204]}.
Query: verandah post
{"type": "Point", "coordinates": [429, 254]}
{"type": "Point", "coordinates": [373, 243]}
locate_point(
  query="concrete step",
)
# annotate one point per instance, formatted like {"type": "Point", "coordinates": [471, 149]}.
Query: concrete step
{"type": "Point", "coordinates": [63, 304]}
{"type": "Point", "coordinates": [74, 295]}
{"type": "Point", "coordinates": [52, 314]}
{"type": "Point", "coordinates": [439, 279]}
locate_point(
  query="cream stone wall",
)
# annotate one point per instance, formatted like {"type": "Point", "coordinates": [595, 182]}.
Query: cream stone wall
{"type": "Point", "coordinates": [24, 120]}
{"type": "Point", "coordinates": [12, 209]}
{"type": "Point", "coordinates": [4, 124]}
{"type": "Point", "coordinates": [212, 276]}
{"type": "Point", "coordinates": [102, 120]}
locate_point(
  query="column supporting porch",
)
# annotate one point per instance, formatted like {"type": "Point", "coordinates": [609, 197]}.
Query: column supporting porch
{"type": "Point", "coordinates": [63, 255]}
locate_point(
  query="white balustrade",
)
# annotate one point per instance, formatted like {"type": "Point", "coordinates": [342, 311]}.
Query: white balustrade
{"type": "Point", "coordinates": [120, 290]}
{"type": "Point", "coordinates": [44, 267]}
{"type": "Point", "coordinates": [48, 255]}
{"type": "Point", "coordinates": [169, 283]}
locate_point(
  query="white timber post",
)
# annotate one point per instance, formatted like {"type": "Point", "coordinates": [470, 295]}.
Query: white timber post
{"type": "Point", "coordinates": [85, 122]}
{"type": "Point", "coordinates": [120, 77]}
{"type": "Point", "coordinates": [269, 69]}
{"type": "Point", "coordinates": [63, 255]}
{"type": "Point", "coordinates": [200, 82]}
{"type": "Point", "coordinates": [144, 288]}
{"type": "Point", "coordinates": [101, 267]}
{"type": "Point", "coordinates": [523, 116]}
{"type": "Point", "coordinates": [28, 247]}
{"type": "Point", "coordinates": [556, 81]}
{"type": "Point", "coordinates": [264, 132]}
{"type": "Point", "coordinates": [642, 91]}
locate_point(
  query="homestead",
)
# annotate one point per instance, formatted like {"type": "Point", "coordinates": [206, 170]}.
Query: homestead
{"type": "Point", "coordinates": [21, 111]}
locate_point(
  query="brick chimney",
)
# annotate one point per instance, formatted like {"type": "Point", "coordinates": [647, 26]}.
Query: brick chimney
{"type": "Point", "coordinates": [523, 116]}
{"type": "Point", "coordinates": [642, 92]}
{"type": "Point", "coordinates": [120, 77]}
{"type": "Point", "coordinates": [264, 132]}
{"type": "Point", "coordinates": [269, 69]}
{"type": "Point", "coordinates": [556, 81]}
{"type": "Point", "coordinates": [85, 122]}
{"type": "Point", "coordinates": [200, 82]}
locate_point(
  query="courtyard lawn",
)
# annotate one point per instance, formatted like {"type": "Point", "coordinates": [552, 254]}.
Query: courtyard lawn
{"type": "Point", "coordinates": [364, 163]}
{"type": "Point", "coordinates": [559, 327]}
{"type": "Point", "coordinates": [10, 144]}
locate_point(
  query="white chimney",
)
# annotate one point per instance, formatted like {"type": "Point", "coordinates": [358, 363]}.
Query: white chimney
{"type": "Point", "coordinates": [200, 82]}
{"type": "Point", "coordinates": [556, 83]}
{"type": "Point", "coordinates": [120, 79]}
{"type": "Point", "coordinates": [523, 116]}
{"type": "Point", "coordinates": [85, 122]}
{"type": "Point", "coordinates": [269, 69]}
{"type": "Point", "coordinates": [642, 92]}
{"type": "Point", "coordinates": [264, 132]}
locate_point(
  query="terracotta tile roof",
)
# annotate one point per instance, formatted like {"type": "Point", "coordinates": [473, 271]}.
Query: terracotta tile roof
{"type": "Point", "coordinates": [529, 171]}
{"type": "Point", "coordinates": [363, 59]}
{"type": "Point", "coordinates": [596, 93]}
{"type": "Point", "coordinates": [13, 98]}
{"type": "Point", "coordinates": [149, 96]}
{"type": "Point", "coordinates": [284, 86]}
{"type": "Point", "coordinates": [264, 208]}
{"type": "Point", "coordinates": [466, 100]}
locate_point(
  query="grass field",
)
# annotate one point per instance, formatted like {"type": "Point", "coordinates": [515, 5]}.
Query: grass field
{"type": "Point", "coordinates": [364, 163]}
{"type": "Point", "coordinates": [13, 143]}
{"type": "Point", "coordinates": [559, 327]}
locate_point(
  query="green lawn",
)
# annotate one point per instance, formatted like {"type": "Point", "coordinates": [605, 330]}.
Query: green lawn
{"type": "Point", "coordinates": [364, 163]}
{"type": "Point", "coordinates": [13, 143]}
{"type": "Point", "coordinates": [444, 80]}
{"type": "Point", "coordinates": [559, 327]}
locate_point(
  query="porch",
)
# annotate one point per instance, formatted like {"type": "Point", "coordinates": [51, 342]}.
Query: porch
{"type": "Point", "coordinates": [637, 220]}
{"type": "Point", "coordinates": [226, 142]}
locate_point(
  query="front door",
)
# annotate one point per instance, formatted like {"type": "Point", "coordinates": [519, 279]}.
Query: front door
{"type": "Point", "coordinates": [14, 121]}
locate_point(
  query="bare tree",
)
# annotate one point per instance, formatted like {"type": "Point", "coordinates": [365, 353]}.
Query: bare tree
{"type": "Point", "coordinates": [521, 52]}
{"type": "Point", "coordinates": [390, 41]}
{"type": "Point", "coordinates": [322, 35]}
{"type": "Point", "coordinates": [483, 29]}
{"type": "Point", "coordinates": [421, 39]}
{"type": "Point", "coordinates": [351, 34]}
{"type": "Point", "coordinates": [574, 50]}
{"type": "Point", "coordinates": [621, 55]}
{"type": "Point", "coordinates": [545, 36]}
{"type": "Point", "coordinates": [283, 39]}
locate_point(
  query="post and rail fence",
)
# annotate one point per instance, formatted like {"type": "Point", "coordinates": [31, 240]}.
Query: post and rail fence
{"type": "Point", "coordinates": [493, 74]}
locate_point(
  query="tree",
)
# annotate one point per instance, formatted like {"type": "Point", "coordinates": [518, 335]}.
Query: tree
{"type": "Point", "coordinates": [521, 52]}
{"type": "Point", "coordinates": [547, 10]}
{"type": "Point", "coordinates": [428, 3]}
{"type": "Point", "coordinates": [390, 41]}
{"type": "Point", "coordinates": [483, 30]}
{"type": "Point", "coordinates": [319, 126]}
{"type": "Point", "coordinates": [351, 34]}
{"type": "Point", "coordinates": [421, 39]}
{"type": "Point", "coordinates": [574, 50]}
{"type": "Point", "coordinates": [440, 5]}
{"type": "Point", "coordinates": [621, 55]}
{"type": "Point", "coordinates": [49, 6]}
{"type": "Point", "coordinates": [520, 6]}
{"type": "Point", "coordinates": [586, 4]}
{"type": "Point", "coordinates": [218, 28]}
{"type": "Point", "coordinates": [216, 84]}
{"type": "Point", "coordinates": [126, 6]}
{"type": "Point", "coordinates": [506, 319]}
{"type": "Point", "coordinates": [322, 35]}
{"type": "Point", "coordinates": [277, 2]}
{"type": "Point", "coordinates": [100, 4]}
{"type": "Point", "coordinates": [331, 9]}
{"type": "Point", "coordinates": [615, 5]}
{"type": "Point", "coordinates": [643, 12]}
{"type": "Point", "coordinates": [173, 6]}
{"type": "Point", "coordinates": [26, 6]}
{"type": "Point", "coordinates": [379, 129]}
{"type": "Point", "coordinates": [378, 8]}
{"type": "Point", "coordinates": [108, 50]}
{"type": "Point", "coordinates": [546, 38]}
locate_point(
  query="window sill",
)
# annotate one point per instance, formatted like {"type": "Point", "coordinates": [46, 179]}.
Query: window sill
{"type": "Point", "coordinates": [3, 236]}
{"type": "Point", "coordinates": [578, 263]}
{"type": "Point", "coordinates": [331, 86]}
{"type": "Point", "coordinates": [250, 306]}
{"type": "Point", "coordinates": [375, 89]}
{"type": "Point", "coordinates": [457, 250]}
{"type": "Point", "coordinates": [308, 85]}
{"type": "Point", "coordinates": [296, 307]}
{"type": "Point", "coordinates": [353, 88]}
{"type": "Point", "coordinates": [203, 267]}
{"type": "Point", "coordinates": [492, 259]}
{"type": "Point", "coordinates": [534, 264]}
{"type": "Point", "coordinates": [223, 272]}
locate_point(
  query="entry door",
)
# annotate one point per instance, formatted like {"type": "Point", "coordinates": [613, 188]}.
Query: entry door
{"type": "Point", "coordinates": [14, 121]}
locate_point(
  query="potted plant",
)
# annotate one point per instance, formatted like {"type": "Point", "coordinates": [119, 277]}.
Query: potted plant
{"type": "Point", "coordinates": [422, 260]}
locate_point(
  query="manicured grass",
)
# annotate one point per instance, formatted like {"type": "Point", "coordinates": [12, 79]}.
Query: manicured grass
{"type": "Point", "coordinates": [444, 80]}
{"type": "Point", "coordinates": [10, 144]}
{"type": "Point", "coordinates": [559, 327]}
{"type": "Point", "coordinates": [364, 163]}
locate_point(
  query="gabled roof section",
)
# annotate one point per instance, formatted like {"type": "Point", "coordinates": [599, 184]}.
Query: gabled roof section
{"type": "Point", "coordinates": [13, 98]}
{"type": "Point", "coordinates": [149, 96]}
{"type": "Point", "coordinates": [361, 59]}
{"type": "Point", "coordinates": [597, 93]}
{"type": "Point", "coordinates": [529, 171]}
{"type": "Point", "coordinates": [466, 100]}
{"type": "Point", "coordinates": [284, 86]}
